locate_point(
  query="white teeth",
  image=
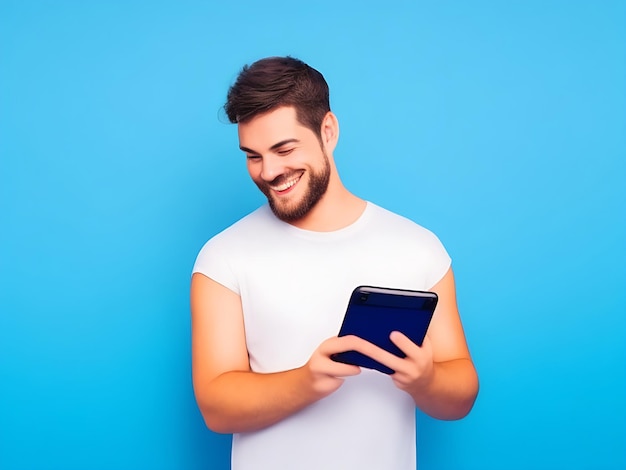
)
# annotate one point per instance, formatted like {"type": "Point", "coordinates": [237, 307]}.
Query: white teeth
{"type": "Point", "coordinates": [286, 185]}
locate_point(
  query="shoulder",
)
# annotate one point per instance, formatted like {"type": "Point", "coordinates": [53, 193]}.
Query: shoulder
{"type": "Point", "coordinates": [260, 220]}
{"type": "Point", "coordinates": [399, 225]}
{"type": "Point", "coordinates": [236, 240]}
{"type": "Point", "coordinates": [401, 238]}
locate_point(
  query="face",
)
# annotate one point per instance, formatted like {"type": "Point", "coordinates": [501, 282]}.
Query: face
{"type": "Point", "coordinates": [286, 161]}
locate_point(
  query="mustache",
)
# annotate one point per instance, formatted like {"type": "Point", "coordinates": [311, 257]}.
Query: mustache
{"type": "Point", "coordinates": [282, 178]}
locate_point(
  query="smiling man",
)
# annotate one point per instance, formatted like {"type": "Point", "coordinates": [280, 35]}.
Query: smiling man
{"type": "Point", "coordinates": [268, 296]}
{"type": "Point", "coordinates": [281, 189]}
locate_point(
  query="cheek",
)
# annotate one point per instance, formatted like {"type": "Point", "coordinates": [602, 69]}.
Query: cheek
{"type": "Point", "coordinates": [253, 170]}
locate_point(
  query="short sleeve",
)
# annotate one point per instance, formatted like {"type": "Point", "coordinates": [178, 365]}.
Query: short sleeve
{"type": "Point", "coordinates": [440, 260]}
{"type": "Point", "coordinates": [215, 261]}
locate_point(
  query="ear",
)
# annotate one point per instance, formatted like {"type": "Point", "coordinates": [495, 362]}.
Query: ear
{"type": "Point", "coordinates": [330, 131]}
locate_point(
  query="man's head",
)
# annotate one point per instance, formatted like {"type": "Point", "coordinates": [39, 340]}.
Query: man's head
{"type": "Point", "coordinates": [287, 131]}
{"type": "Point", "coordinates": [275, 82]}
{"type": "Point", "coordinates": [287, 161]}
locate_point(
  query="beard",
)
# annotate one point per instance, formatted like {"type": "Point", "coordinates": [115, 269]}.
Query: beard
{"type": "Point", "coordinates": [291, 211]}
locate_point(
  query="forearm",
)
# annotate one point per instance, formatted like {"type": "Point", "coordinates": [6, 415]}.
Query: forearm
{"type": "Point", "coordinates": [240, 401]}
{"type": "Point", "coordinates": [451, 392]}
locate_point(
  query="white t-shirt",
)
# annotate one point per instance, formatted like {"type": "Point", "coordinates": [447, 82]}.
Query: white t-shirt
{"type": "Point", "coordinates": [294, 286]}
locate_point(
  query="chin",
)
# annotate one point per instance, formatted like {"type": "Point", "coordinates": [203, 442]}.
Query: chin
{"type": "Point", "coordinates": [290, 212]}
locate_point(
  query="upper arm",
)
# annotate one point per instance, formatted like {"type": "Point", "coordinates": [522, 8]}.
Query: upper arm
{"type": "Point", "coordinates": [446, 331]}
{"type": "Point", "coordinates": [217, 332]}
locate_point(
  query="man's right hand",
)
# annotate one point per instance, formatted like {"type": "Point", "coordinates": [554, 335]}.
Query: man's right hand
{"type": "Point", "coordinates": [231, 397]}
{"type": "Point", "coordinates": [327, 375]}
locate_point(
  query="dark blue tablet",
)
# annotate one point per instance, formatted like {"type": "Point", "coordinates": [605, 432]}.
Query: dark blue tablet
{"type": "Point", "coordinates": [374, 312]}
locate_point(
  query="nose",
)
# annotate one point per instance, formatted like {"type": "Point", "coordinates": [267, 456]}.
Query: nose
{"type": "Point", "coordinates": [272, 167]}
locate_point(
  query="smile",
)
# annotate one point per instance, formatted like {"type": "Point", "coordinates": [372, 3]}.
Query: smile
{"type": "Point", "coordinates": [286, 185]}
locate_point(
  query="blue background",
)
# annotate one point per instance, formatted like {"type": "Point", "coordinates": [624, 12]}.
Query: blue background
{"type": "Point", "coordinates": [501, 126]}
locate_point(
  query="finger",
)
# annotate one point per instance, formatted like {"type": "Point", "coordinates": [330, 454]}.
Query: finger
{"type": "Point", "coordinates": [405, 344]}
{"type": "Point", "coordinates": [325, 364]}
{"type": "Point", "coordinates": [339, 369]}
{"type": "Point", "coordinates": [338, 344]}
{"type": "Point", "coordinates": [372, 351]}
{"type": "Point", "coordinates": [418, 358]}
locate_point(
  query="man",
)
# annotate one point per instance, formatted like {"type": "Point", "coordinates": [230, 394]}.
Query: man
{"type": "Point", "coordinates": [268, 296]}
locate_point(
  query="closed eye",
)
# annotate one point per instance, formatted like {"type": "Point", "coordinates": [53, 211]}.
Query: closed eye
{"type": "Point", "coordinates": [283, 152]}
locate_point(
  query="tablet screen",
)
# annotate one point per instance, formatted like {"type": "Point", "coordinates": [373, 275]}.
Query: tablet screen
{"type": "Point", "coordinates": [374, 312]}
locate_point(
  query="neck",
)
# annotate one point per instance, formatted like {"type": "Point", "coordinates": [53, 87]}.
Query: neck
{"type": "Point", "coordinates": [337, 209]}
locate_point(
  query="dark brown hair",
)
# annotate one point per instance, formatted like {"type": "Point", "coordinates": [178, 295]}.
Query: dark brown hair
{"type": "Point", "coordinates": [279, 81]}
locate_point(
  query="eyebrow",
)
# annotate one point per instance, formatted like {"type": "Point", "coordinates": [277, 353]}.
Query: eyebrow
{"type": "Point", "coordinates": [273, 147]}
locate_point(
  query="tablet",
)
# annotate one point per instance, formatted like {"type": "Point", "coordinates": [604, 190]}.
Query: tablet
{"type": "Point", "coordinates": [374, 312]}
